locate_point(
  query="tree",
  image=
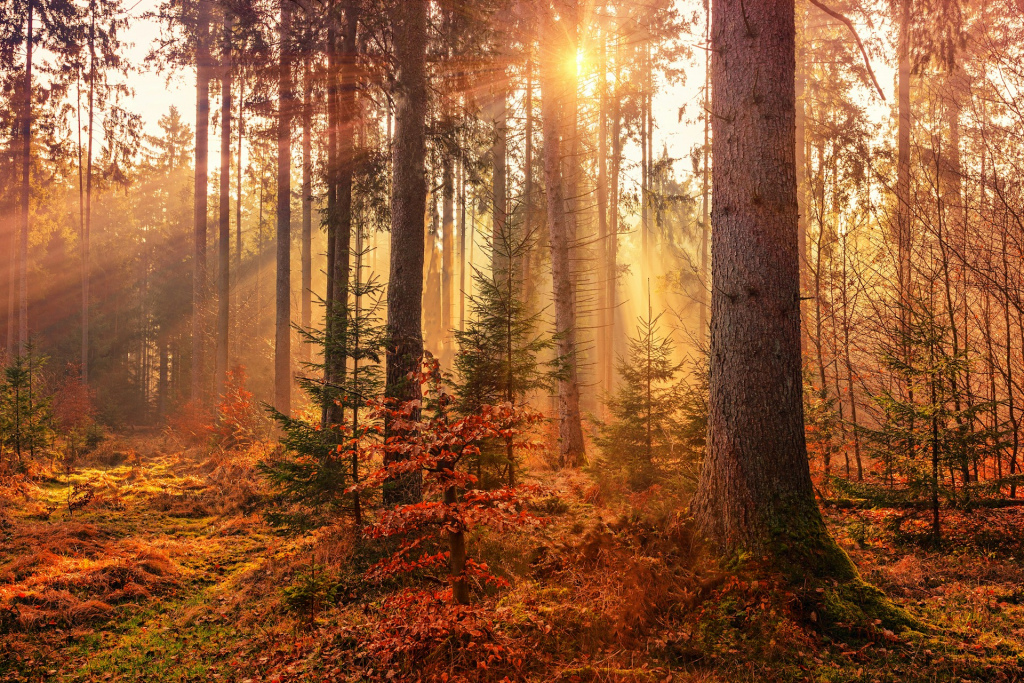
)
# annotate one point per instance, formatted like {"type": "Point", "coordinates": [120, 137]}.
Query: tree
{"type": "Point", "coordinates": [408, 205]}
{"type": "Point", "coordinates": [224, 199]}
{"type": "Point", "coordinates": [497, 360]}
{"type": "Point", "coordinates": [283, 324]}
{"type": "Point", "coordinates": [555, 91]}
{"type": "Point", "coordinates": [203, 68]}
{"type": "Point", "coordinates": [647, 429]}
{"type": "Point", "coordinates": [755, 491]}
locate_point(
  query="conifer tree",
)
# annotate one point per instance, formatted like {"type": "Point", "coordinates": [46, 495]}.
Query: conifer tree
{"type": "Point", "coordinates": [648, 428]}
{"type": "Point", "coordinates": [498, 349]}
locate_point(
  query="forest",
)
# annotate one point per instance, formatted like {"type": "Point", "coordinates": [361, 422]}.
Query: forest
{"type": "Point", "coordinates": [512, 340]}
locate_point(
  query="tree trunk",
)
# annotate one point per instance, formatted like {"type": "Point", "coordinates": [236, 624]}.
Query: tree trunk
{"type": "Point", "coordinates": [705, 225]}
{"type": "Point", "coordinates": [553, 95]}
{"type": "Point", "coordinates": [87, 223]}
{"type": "Point", "coordinates": [613, 225]}
{"type": "Point", "coordinates": [307, 206]}
{"type": "Point", "coordinates": [755, 489]}
{"type": "Point", "coordinates": [604, 312]}
{"type": "Point", "coordinates": [26, 187]}
{"type": "Point", "coordinates": [408, 206]}
{"type": "Point", "coordinates": [447, 257]}
{"type": "Point", "coordinates": [283, 328]}
{"type": "Point", "coordinates": [224, 239]}
{"type": "Point", "coordinates": [200, 205]}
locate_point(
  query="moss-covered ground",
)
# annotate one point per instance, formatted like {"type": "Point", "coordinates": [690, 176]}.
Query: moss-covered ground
{"type": "Point", "coordinates": [162, 569]}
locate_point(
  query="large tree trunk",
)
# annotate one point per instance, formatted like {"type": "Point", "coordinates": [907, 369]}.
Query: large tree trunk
{"type": "Point", "coordinates": [224, 238]}
{"type": "Point", "coordinates": [200, 205]}
{"type": "Point", "coordinates": [553, 93]}
{"type": "Point", "coordinates": [408, 206]}
{"type": "Point", "coordinates": [340, 216]}
{"type": "Point", "coordinates": [283, 328]}
{"type": "Point", "coordinates": [755, 488]}
{"type": "Point", "coordinates": [26, 172]}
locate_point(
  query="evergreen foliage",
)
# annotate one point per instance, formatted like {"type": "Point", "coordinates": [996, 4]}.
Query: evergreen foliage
{"type": "Point", "coordinates": [26, 424]}
{"type": "Point", "coordinates": [658, 418]}
{"type": "Point", "coordinates": [499, 351]}
{"type": "Point", "coordinates": [317, 460]}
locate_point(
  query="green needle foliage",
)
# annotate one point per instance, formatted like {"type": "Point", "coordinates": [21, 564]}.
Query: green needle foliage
{"type": "Point", "coordinates": [499, 351]}
{"type": "Point", "coordinates": [658, 419]}
{"type": "Point", "coordinates": [26, 422]}
{"type": "Point", "coordinates": [320, 459]}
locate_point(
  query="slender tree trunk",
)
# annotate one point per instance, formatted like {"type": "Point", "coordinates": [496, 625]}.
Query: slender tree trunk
{"type": "Point", "coordinates": [613, 225]}
{"type": "Point", "coordinates": [756, 484]}
{"type": "Point", "coordinates": [499, 183]}
{"type": "Point", "coordinates": [604, 354]}
{"type": "Point", "coordinates": [553, 96]}
{"type": "Point", "coordinates": [447, 256]}
{"type": "Point", "coordinates": [528, 185]}
{"type": "Point", "coordinates": [200, 205]}
{"type": "Point", "coordinates": [283, 327]}
{"type": "Point", "coordinates": [224, 238]}
{"type": "Point", "coordinates": [235, 292]}
{"type": "Point", "coordinates": [307, 205]}
{"type": "Point", "coordinates": [26, 188]}
{"type": "Point", "coordinates": [462, 247]}
{"type": "Point", "coordinates": [408, 206]}
{"type": "Point", "coordinates": [87, 223]}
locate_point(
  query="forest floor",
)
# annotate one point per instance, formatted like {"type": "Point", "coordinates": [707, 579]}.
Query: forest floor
{"type": "Point", "coordinates": [162, 569]}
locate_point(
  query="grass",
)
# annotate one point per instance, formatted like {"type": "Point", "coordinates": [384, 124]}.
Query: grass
{"type": "Point", "coordinates": [195, 587]}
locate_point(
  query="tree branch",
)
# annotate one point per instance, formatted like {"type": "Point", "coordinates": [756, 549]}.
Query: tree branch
{"type": "Point", "coordinates": [849, 24]}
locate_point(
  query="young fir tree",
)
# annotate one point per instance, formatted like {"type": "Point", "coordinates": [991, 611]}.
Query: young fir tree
{"type": "Point", "coordinates": [649, 426]}
{"type": "Point", "coordinates": [318, 462]}
{"type": "Point", "coordinates": [25, 415]}
{"type": "Point", "coordinates": [498, 357]}
{"type": "Point", "coordinates": [926, 429]}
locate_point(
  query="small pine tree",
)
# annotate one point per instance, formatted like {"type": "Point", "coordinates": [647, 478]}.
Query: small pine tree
{"type": "Point", "coordinates": [925, 428]}
{"type": "Point", "coordinates": [319, 460]}
{"type": "Point", "coordinates": [25, 416]}
{"type": "Point", "coordinates": [498, 358]}
{"type": "Point", "coordinates": [649, 425]}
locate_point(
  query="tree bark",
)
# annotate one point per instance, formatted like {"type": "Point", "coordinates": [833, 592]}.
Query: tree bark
{"type": "Point", "coordinates": [224, 238]}
{"type": "Point", "coordinates": [283, 327]}
{"type": "Point", "coordinates": [87, 222]}
{"type": "Point", "coordinates": [200, 202]}
{"type": "Point", "coordinates": [307, 206]}
{"type": "Point", "coordinates": [755, 486]}
{"type": "Point", "coordinates": [553, 94]}
{"type": "Point", "coordinates": [408, 206]}
{"type": "Point", "coordinates": [26, 187]}
{"type": "Point", "coordinates": [447, 256]}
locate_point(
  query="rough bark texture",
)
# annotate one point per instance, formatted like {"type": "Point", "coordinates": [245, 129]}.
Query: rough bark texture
{"type": "Point", "coordinates": [755, 483]}
{"type": "Point", "coordinates": [447, 257]}
{"type": "Point", "coordinates": [283, 329]}
{"type": "Point", "coordinates": [571, 449]}
{"type": "Point", "coordinates": [224, 239]}
{"type": "Point", "coordinates": [408, 206]}
{"type": "Point", "coordinates": [200, 202]}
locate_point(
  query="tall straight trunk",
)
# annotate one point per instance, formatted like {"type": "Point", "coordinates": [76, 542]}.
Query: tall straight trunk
{"type": "Point", "coordinates": [162, 377]}
{"type": "Point", "coordinates": [224, 238]}
{"type": "Point", "coordinates": [87, 223]}
{"type": "Point", "coordinates": [283, 326]}
{"type": "Point", "coordinates": [499, 184]}
{"type": "Point", "coordinates": [613, 223]}
{"type": "Point", "coordinates": [604, 354]}
{"type": "Point", "coordinates": [462, 246]}
{"type": "Point", "coordinates": [528, 185]}
{"type": "Point", "coordinates": [408, 206]}
{"type": "Point", "coordinates": [844, 290]}
{"type": "Point", "coordinates": [801, 140]}
{"type": "Point", "coordinates": [447, 257]}
{"type": "Point", "coordinates": [340, 219]}
{"type": "Point", "coordinates": [756, 482]}
{"type": "Point", "coordinates": [238, 203]}
{"type": "Point", "coordinates": [705, 205]}
{"type": "Point", "coordinates": [307, 205]}
{"type": "Point", "coordinates": [329, 409]}
{"type": "Point", "coordinates": [12, 286]}
{"type": "Point", "coordinates": [200, 201]}
{"type": "Point", "coordinates": [903, 213]}
{"type": "Point", "coordinates": [554, 95]}
{"type": "Point", "coordinates": [26, 173]}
